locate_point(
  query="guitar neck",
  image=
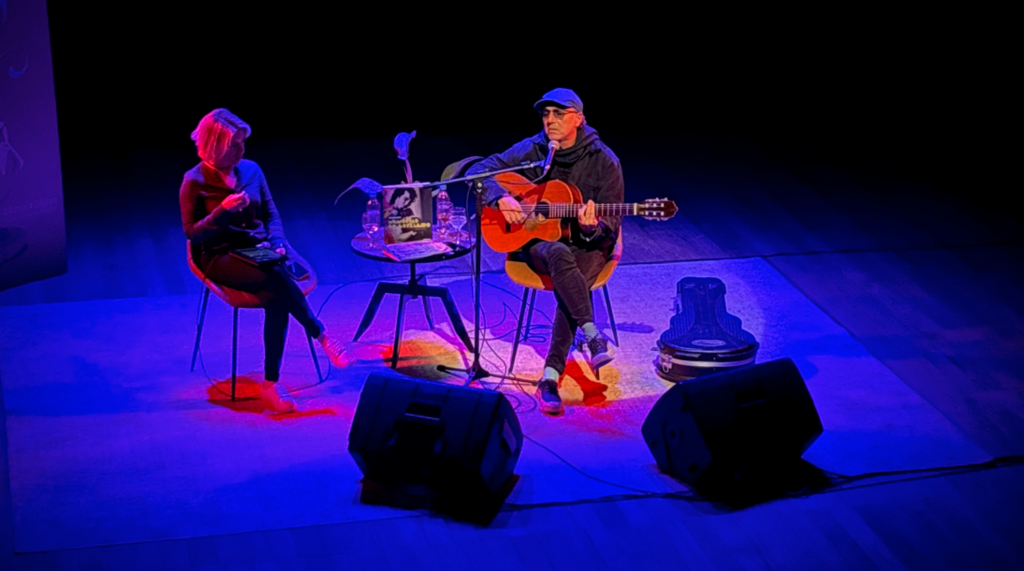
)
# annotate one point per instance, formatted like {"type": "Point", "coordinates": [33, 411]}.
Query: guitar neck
{"type": "Point", "coordinates": [571, 210]}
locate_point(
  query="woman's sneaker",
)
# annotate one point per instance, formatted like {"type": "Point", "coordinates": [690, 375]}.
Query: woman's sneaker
{"type": "Point", "coordinates": [547, 394]}
{"type": "Point", "coordinates": [278, 398]}
{"type": "Point", "coordinates": [334, 349]}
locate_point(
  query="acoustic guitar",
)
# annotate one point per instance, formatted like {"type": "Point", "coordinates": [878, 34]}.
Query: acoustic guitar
{"type": "Point", "coordinates": [546, 205]}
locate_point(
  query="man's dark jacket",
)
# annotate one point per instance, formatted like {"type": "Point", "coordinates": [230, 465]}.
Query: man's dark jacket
{"type": "Point", "coordinates": [589, 165]}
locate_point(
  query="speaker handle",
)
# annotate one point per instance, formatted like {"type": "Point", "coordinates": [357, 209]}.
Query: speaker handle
{"type": "Point", "coordinates": [426, 413]}
{"type": "Point", "coordinates": [423, 420]}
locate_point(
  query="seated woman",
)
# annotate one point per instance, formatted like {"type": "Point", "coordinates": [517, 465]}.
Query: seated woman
{"type": "Point", "coordinates": [226, 205]}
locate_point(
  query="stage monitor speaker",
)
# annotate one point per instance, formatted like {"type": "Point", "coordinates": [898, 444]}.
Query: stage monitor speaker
{"type": "Point", "coordinates": [428, 437]}
{"type": "Point", "coordinates": [716, 428]}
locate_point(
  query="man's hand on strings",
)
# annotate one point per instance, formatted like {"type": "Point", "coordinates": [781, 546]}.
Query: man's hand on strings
{"type": "Point", "coordinates": [587, 218]}
{"type": "Point", "coordinates": [511, 210]}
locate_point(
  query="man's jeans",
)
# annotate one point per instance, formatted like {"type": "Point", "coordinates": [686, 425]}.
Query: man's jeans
{"type": "Point", "coordinates": [572, 272]}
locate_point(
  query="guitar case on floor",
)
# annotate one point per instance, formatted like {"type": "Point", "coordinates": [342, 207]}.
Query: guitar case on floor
{"type": "Point", "coordinates": [703, 338]}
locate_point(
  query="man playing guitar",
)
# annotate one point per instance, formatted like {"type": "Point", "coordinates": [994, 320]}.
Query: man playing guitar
{"type": "Point", "coordinates": [573, 262]}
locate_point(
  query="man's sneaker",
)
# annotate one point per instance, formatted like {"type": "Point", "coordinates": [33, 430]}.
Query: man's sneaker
{"type": "Point", "coordinates": [600, 354]}
{"type": "Point", "coordinates": [278, 398]}
{"type": "Point", "coordinates": [547, 394]}
{"type": "Point", "coordinates": [334, 349]}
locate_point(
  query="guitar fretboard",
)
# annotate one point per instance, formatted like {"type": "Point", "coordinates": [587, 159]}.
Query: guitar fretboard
{"type": "Point", "coordinates": [570, 210]}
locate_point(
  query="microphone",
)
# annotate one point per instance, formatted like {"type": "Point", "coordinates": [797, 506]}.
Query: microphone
{"type": "Point", "coordinates": [552, 147]}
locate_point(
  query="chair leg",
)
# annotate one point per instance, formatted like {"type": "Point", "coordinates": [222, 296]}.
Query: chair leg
{"type": "Point", "coordinates": [597, 372]}
{"type": "Point", "coordinates": [529, 315]}
{"type": "Point", "coordinates": [519, 330]}
{"type": "Point", "coordinates": [316, 361]}
{"type": "Point", "coordinates": [234, 353]}
{"type": "Point", "coordinates": [199, 327]}
{"type": "Point", "coordinates": [593, 308]}
{"type": "Point", "coordinates": [611, 316]}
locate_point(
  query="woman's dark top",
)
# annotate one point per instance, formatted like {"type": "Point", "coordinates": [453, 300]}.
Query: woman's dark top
{"type": "Point", "coordinates": [215, 229]}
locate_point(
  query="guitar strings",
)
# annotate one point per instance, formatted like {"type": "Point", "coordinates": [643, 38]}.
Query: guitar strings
{"type": "Point", "coordinates": [567, 210]}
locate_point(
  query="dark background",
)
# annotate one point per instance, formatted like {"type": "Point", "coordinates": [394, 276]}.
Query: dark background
{"type": "Point", "coordinates": [919, 95]}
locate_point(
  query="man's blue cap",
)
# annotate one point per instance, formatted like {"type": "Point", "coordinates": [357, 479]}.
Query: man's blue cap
{"type": "Point", "coordinates": [560, 97]}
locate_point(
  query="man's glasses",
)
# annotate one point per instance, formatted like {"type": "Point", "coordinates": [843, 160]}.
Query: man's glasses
{"type": "Point", "coordinates": [558, 113]}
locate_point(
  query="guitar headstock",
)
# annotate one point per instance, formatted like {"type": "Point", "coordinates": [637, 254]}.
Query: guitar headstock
{"type": "Point", "coordinates": [656, 209]}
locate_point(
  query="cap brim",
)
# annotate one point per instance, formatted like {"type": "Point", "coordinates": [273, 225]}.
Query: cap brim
{"type": "Point", "coordinates": [545, 102]}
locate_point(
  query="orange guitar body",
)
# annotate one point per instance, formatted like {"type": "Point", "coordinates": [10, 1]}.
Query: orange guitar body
{"type": "Point", "coordinates": [504, 237]}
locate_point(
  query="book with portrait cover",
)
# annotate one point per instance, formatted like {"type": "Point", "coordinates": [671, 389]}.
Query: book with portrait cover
{"type": "Point", "coordinates": [407, 215]}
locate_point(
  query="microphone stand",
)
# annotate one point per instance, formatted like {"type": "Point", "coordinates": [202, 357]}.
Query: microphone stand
{"type": "Point", "coordinates": [475, 372]}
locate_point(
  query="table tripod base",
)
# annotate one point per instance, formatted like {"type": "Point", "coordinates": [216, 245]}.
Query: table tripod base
{"type": "Point", "coordinates": [412, 290]}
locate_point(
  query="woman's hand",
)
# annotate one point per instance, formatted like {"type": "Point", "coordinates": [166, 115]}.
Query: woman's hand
{"type": "Point", "coordinates": [235, 202]}
{"type": "Point", "coordinates": [280, 250]}
{"type": "Point", "coordinates": [587, 218]}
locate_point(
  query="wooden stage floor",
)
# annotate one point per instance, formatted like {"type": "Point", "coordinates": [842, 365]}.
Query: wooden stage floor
{"type": "Point", "coordinates": [928, 282]}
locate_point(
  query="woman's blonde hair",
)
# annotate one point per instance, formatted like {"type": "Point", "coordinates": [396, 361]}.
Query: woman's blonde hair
{"type": "Point", "coordinates": [214, 133]}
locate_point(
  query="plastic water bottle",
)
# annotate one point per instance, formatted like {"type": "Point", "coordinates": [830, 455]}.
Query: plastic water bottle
{"type": "Point", "coordinates": [444, 214]}
{"type": "Point", "coordinates": [371, 218]}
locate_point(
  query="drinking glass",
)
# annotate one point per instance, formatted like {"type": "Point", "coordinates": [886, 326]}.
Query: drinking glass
{"type": "Point", "coordinates": [371, 223]}
{"type": "Point", "coordinates": [458, 220]}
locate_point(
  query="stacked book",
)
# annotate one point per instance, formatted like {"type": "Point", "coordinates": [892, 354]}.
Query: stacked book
{"type": "Point", "coordinates": [408, 251]}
